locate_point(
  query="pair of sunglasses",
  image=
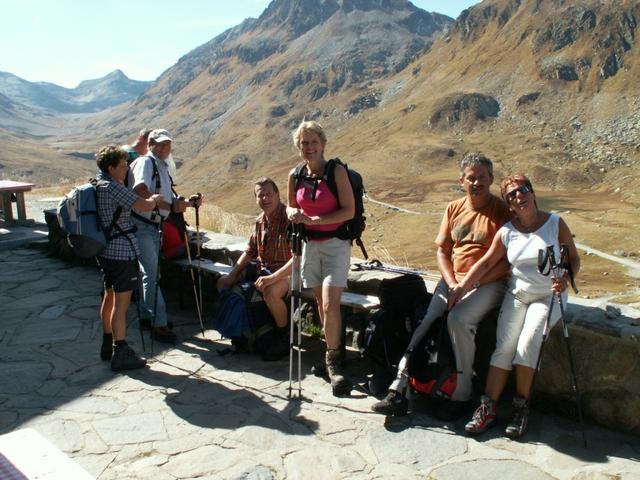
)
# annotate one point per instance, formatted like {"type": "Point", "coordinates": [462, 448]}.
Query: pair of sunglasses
{"type": "Point", "coordinates": [512, 194]}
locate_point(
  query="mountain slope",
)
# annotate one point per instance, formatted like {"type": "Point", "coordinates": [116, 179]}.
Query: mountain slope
{"type": "Point", "coordinates": [89, 96]}
{"type": "Point", "coordinates": [272, 70]}
{"type": "Point", "coordinates": [547, 87]}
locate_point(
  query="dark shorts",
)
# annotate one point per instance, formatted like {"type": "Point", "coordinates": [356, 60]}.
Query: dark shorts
{"type": "Point", "coordinates": [121, 275]}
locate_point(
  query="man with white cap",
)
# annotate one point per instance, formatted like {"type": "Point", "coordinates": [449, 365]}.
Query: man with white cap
{"type": "Point", "coordinates": [150, 175]}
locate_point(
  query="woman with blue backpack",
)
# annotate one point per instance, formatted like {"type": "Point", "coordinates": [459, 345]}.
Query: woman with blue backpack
{"type": "Point", "coordinates": [326, 258]}
{"type": "Point", "coordinates": [118, 260]}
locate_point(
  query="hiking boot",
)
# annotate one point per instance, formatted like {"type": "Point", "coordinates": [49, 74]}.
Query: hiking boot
{"type": "Point", "coordinates": [339, 385]}
{"type": "Point", "coordinates": [519, 419]}
{"type": "Point", "coordinates": [394, 404]}
{"type": "Point", "coordinates": [164, 335]}
{"type": "Point", "coordinates": [483, 418]}
{"type": "Point", "coordinates": [278, 349]}
{"type": "Point", "coordinates": [451, 410]}
{"type": "Point", "coordinates": [124, 358]}
{"type": "Point", "coordinates": [145, 324]}
{"type": "Point", "coordinates": [106, 349]}
{"type": "Point", "coordinates": [319, 369]}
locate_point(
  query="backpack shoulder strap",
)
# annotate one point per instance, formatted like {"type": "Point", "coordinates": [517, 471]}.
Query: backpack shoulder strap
{"type": "Point", "coordinates": [298, 174]}
{"type": "Point", "coordinates": [330, 175]}
{"type": "Point", "coordinates": [156, 175]}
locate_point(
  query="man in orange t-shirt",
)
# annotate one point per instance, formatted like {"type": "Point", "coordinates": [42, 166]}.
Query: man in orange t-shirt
{"type": "Point", "coordinates": [468, 227]}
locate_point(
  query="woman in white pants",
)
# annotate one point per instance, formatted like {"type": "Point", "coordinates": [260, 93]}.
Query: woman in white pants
{"type": "Point", "coordinates": [525, 307]}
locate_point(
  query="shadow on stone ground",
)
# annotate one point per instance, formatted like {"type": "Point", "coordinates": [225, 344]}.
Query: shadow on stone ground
{"type": "Point", "coordinates": [193, 413]}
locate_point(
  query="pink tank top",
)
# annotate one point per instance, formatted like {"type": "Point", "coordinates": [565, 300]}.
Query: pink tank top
{"type": "Point", "coordinates": [325, 202]}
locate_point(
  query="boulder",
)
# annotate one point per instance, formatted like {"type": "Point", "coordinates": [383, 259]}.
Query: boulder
{"type": "Point", "coordinates": [464, 108]}
{"type": "Point", "coordinates": [527, 98]}
{"type": "Point", "coordinates": [370, 100]}
{"type": "Point", "coordinates": [239, 161]}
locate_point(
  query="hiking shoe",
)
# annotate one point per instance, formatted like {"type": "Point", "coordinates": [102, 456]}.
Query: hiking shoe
{"type": "Point", "coordinates": [145, 324]}
{"type": "Point", "coordinates": [340, 386]}
{"type": "Point", "coordinates": [319, 370]}
{"type": "Point", "coordinates": [106, 349]}
{"type": "Point", "coordinates": [450, 410]}
{"type": "Point", "coordinates": [278, 349]}
{"type": "Point", "coordinates": [164, 335]}
{"type": "Point", "coordinates": [394, 404]}
{"type": "Point", "coordinates": [124, 358]}
{"type": "Point", "coordinates": [483, 418]}
{"type": "Point", "coordinates": [519, 419]}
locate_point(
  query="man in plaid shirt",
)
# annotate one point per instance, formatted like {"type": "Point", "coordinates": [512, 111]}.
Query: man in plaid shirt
{"type": "Point", "coordinates": [269, 246]}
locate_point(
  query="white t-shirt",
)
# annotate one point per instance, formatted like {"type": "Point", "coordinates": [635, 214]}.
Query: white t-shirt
{"type": "Point", "coordinates": [522, 253]}
{"type": "Point", "coordinates": [142, 172]}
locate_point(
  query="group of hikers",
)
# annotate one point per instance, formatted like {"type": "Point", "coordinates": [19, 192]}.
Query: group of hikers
{"type": "Point", "coordinates": [487, 253]}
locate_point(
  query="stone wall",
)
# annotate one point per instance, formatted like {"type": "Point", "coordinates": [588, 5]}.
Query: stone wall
{"type": "Point", "coordinates": [604, 339]}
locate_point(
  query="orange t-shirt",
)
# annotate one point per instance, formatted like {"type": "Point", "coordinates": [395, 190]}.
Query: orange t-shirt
{"type": "Point", "coordinates": [470, 232]}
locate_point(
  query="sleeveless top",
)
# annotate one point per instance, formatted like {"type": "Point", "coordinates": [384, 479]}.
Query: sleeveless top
{"type": "Point", "coordinates": [325, 202]}
{"type": "Point", "coordinates": [522, 253]}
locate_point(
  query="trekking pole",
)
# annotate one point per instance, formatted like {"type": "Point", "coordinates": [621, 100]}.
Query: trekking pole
{"type": "Point", "coordinates": [375, 264]}
{"type": "Point", "coordinates": [138, 296]}
{"type": "Point", "coordinates": [574, 383]}
{"type": "Point", "coordinates": [157, 286]}
{"type": "Point", "coordinates": [198, 245]}
{"type": "Point", "coordinates": [547, 264]}
{"type": "Point", "coordinates": [296, 289]}
{"type": "Point", "coordinates": [193, 281]}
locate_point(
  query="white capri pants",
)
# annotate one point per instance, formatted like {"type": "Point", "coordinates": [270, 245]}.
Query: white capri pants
{"type": "Point", "coordinates": [521, 324]}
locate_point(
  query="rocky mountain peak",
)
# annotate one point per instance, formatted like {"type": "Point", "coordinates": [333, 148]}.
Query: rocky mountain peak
{"type": "Point", "coordinates": [297, 16]}
{"type": "Point", "coordinates": [300, 16]}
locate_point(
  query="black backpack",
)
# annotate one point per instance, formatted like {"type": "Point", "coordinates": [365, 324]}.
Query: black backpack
{"type": "Point", "coordinates": [432, 364]}
{"type": "Point", "coordinates": [352, 229]}
{"type": "Point", "coordinates": [403, 300]}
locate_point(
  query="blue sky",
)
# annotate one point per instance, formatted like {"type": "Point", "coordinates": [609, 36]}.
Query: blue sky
{"type": "Point", "coordinates": [67, 41]}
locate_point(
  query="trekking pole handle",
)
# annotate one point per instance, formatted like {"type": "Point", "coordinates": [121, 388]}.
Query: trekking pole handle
{"type": "Point", "coordinates": [193, 199]}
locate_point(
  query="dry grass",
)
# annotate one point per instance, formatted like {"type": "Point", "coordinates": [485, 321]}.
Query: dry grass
{"type": "Point", "coordinates": [218, 220]}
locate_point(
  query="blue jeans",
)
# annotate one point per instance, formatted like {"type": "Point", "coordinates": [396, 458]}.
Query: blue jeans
{"type": "Point", "coordinates": [149, 243]}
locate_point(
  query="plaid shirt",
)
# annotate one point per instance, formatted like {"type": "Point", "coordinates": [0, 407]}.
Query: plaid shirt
{"type": "Point", "coordinates": [269, 243]}
{"type": "Point", "coordinates": [110, 196]}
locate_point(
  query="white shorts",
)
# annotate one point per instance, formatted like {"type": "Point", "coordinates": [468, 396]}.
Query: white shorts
{"type": "Point", "coordinates": [326, 262]}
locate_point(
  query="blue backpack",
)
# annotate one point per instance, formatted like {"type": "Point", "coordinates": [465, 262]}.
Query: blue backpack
{"type": "Point", "coordinates": [78, 216]}
{"type": "Point", "coordinates": [243, 316]}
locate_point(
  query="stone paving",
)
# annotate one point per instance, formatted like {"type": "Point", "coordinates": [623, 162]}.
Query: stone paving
{"type": "Point", "coordinates": [196, 414]}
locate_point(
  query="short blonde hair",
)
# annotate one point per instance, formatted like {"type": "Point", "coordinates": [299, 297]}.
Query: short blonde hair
{"type": "Point", "coordinates": [309, 126]}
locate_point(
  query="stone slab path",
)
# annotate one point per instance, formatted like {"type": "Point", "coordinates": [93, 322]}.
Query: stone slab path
{"type": "Point", "coordinates": [196, 414]}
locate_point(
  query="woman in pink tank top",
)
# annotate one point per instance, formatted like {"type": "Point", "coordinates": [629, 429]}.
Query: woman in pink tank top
{"type": "Point", "coordinates": [325, 258]}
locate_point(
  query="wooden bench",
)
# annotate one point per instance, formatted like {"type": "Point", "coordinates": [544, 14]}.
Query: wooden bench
{"type": "Point", "coordinates": [9, 189]}
{"type": "Point", "coordinates": [355, 302]}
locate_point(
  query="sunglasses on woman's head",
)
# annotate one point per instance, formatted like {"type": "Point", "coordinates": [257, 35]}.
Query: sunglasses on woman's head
{"type": "Point", "coordinates": [512, 194]}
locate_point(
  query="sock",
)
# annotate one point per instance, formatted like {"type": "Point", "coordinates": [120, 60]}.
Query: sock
{"type": "Point", "coordinates": [121, 343]}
